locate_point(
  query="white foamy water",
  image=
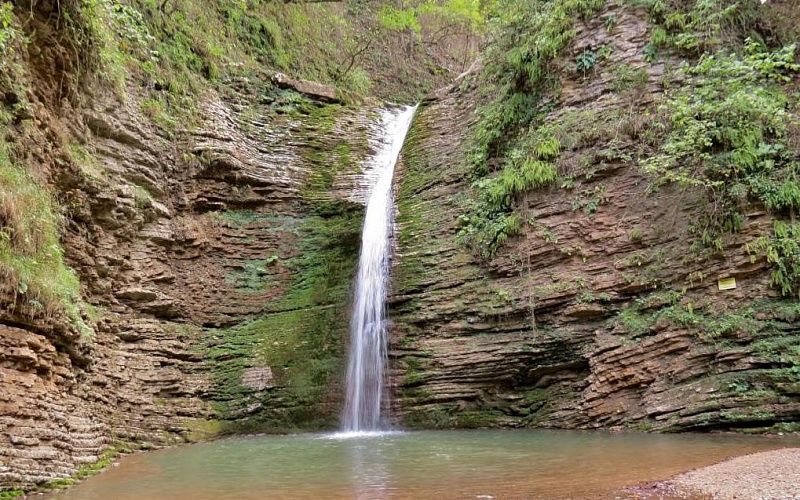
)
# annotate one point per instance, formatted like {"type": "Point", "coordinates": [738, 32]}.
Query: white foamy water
{"type": "Point", "coordinates": [367, 355]}
{"type": "Point", "coordinates": [361, 435]}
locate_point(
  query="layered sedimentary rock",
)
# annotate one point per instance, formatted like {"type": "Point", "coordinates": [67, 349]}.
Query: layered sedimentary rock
{"type": "Point", "coordinates": [217, 257]}
{"type": "Point", "coordinates": [601, 313]}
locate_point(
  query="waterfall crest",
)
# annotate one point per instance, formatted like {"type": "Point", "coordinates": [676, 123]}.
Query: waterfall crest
{"type": "Point", "coordinates": [367, 355]}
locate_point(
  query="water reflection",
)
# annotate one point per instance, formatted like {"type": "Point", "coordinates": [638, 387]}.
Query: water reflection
{"type": "Point", "coordinates": [439, 465]}
{"type": "Point", "coordinates": [369, 469]}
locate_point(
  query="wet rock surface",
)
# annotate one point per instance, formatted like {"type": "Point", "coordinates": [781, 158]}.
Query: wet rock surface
{"type": "Point", "coordinates": [602, 312]}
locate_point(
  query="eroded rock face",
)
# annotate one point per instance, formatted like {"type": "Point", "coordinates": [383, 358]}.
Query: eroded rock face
{"type": "Point", "coordinates": [599, 314]}
{"type": "Point", "coordinates": [41, 424]}
{"type": "Point", "coordinates": [219, 262]}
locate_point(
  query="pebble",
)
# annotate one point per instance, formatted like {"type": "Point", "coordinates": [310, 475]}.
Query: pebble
{"type": "Point", "coordinates": [770, 475]}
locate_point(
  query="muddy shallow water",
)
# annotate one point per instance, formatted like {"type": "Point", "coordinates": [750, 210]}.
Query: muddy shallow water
{"type": "Point", "coordinates": [437, 464]}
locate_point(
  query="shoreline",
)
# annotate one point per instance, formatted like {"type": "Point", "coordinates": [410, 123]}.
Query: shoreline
{"type": "Point", "coordinates": [766, 475]}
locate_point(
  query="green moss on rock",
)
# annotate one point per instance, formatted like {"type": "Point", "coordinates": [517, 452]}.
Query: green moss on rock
{"type": "Point", "coordinates": [298, 341]}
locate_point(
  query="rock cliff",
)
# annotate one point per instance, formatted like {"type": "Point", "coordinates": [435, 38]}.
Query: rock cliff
{"type": "Point", "coordinates": [601, 312]}
{"type": "Point", "coordinates": [215, 262]}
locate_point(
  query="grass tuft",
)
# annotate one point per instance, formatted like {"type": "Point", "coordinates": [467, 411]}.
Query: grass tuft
{"type": "Point", "coordinates": [31, 258]}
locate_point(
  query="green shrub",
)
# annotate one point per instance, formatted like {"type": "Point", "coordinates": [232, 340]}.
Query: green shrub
{"type": "Point", "coordinates": [695, 27]}
{"type": "Point", "coordinates": [782, 250]}
{"type": "Point", "coordinates": [586, 61]}
{"type": "Point", "coordinates": [731, 125]}
{"type": "Point", "coordinates": [627, 78]}
{"type": "Point", "coordinates": [509, 154]}
{"type": "Point", "coordinates": [488, 219]}
{"type": "Point", "coordinates": [610, 22]}
{"type": "Point", "coordinates": [527, 36]}
{"type": "Point", "coordinates": [7, 32]}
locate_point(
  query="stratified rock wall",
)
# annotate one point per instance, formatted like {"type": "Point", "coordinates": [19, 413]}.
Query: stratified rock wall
{"type": "Point", "coordinates": [600, 313]}
{"type": "Point", "coordinates": [217, 257]}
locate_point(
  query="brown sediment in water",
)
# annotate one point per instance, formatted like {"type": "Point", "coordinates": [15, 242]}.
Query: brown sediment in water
{"type": "Point", "coordinates": [768, 475]}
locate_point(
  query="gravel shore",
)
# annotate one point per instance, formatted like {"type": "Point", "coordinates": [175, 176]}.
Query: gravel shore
{"type": "Point", "coordinates": [770, 475]}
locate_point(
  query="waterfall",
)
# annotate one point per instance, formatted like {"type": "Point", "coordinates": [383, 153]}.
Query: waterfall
{"type": "Point", "coordinates": [367, 356]}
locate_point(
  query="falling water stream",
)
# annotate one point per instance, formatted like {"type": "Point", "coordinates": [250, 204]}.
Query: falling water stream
{"type": "Point", "coordinates": [367, 356]}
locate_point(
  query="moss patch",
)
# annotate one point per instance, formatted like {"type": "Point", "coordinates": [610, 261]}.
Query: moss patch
{"type": "Point", "coordinates": [202, 429]}
{"type": "Point", "coordinates": [299, 338]}
{"type": "Point", "coordinates": [452, 416]}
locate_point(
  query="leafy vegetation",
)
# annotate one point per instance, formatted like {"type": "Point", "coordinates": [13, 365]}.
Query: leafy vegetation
{"type": "Point", "coordinates": [490, 220]}
{"type": "Point", "coordinates": [763, 319]}
{"type": "Point", "coordinates": [509, 154]}
{"type": "Point", "coordinates": [527, 37]}
{"type": "Point", "coordinates": [694, 28]}
{"type": "Point", "coordinates": [628, 78]}
{"type": "Point", "coordinates": [176, 48]}
{"type": "Point", "coordinates": [32, 264]}
{"type": "Point", "coordinates": [10, 68]}
{"type": "Point", "coordinates": [586, 61]}
{"type": "Point", "coordinates": [782, 250]}
{"type": "Point", "coordinates": [731, 136]}
{"type": "Point", "coordinates": [7, 32]}
{"type": "Point", "coordinates": [730, 130]}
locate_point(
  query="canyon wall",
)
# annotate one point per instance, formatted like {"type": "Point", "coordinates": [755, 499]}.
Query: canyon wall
{"type": "Point", "coordinates": [215, 260]}
{"type": "Point", "coordinates": [601, 312]}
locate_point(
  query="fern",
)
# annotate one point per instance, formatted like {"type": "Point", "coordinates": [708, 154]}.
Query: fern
{"type": "Point", "coordinates": [547, 148]}
{"type": "Point", "coordinates": [730, 135]}
{"type": "Point", "coordinates": [729, 125]}
{"type": "Point", "coordinates": [537, 173]}
{"type": "Point", "coordinates": [510, 152]}
{"type": "Point", "coordinates": [527, 37]}
{"type": "Point", "coordinates": [783, 252]}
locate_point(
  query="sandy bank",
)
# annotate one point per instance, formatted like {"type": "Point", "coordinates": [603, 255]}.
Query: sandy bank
{"type": "Point", "coordinates": [769, 475]}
